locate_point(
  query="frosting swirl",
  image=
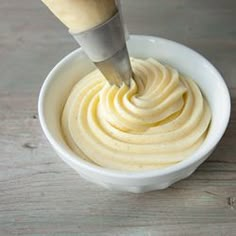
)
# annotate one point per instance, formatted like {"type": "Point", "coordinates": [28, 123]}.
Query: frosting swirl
{"type": "Point", "coordinates": [159, 121]}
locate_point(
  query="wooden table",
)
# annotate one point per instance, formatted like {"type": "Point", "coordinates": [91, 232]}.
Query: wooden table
{"type": "Point", "coordinates": [41, 195]}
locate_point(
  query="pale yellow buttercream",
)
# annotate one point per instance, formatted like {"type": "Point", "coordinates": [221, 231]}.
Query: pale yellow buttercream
{"type": "Point", "coordinates": [159, 121]}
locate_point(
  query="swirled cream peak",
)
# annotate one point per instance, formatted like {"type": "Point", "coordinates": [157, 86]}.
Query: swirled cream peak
{"type": "Point", "coordinates": [80, 15]}
{"type": "Point", "coordinates": [158, 122]}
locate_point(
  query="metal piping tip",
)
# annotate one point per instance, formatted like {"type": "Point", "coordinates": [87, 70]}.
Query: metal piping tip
{"type": "Point", "coordinates": [105, 45]}
{"type": "Point", "coordinates": [117, 69]}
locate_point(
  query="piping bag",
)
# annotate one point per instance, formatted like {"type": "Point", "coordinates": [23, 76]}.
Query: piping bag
{"type": "Point", "coordinates": [97, 26]}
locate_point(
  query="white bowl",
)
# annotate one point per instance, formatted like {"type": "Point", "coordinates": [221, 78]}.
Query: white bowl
{"type": "Point", "coordinates": [66, 73]}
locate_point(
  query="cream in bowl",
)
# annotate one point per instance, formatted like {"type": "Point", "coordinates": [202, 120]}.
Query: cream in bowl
{"type": "Point", "coordinates": [157, 122]}
{"type": "Point", "coordinates": [137, 163]}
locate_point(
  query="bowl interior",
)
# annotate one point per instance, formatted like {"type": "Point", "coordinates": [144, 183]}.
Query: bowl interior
{"type": "Point", "coordinates": [73, 67]}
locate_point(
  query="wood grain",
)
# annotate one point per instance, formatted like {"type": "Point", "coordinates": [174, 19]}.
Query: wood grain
{"type": "Point", "coordinates": [40, 195]}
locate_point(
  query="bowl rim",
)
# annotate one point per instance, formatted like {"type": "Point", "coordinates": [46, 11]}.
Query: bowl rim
{"type": "Point", "coordinates": [77, 161]}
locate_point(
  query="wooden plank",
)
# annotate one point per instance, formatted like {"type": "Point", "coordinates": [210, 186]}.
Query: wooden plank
{"type": "Point", "coordinates": [39, 190]}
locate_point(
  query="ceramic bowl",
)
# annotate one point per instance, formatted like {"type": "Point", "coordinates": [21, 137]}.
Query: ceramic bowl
{"type": "Point", "coordinates": [74, 66]}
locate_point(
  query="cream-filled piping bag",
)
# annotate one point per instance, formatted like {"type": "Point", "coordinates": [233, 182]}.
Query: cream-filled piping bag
{"type": "Point", "coordinates": [96, 25]}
